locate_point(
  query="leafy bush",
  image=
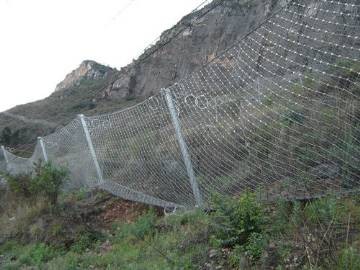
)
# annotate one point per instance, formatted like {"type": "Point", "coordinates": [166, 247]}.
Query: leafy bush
{"type": "Point", "coordinates": [280, 217]}
{"type": "Point", "coordinates": [296, 216]}
{"type": "Point", "coordinates": [84, 241]}
{"type": "Point", "coordinates": [237, 258]}
{"type": "Point", "coordinates": [143, 226]}
{"type": "Point", "coordinates": [19, 184]}
{"type": "Point", "coordinates": [255, 246]}
{"type": "Point", "coordinates": [37, 254]}
{"type": "Point", "coordinates": [235, 220]}
{"type": "Point", "coordinates": [47, 181]}
{"type": "Point", "coordinates": [321, 210]}
{"type": "Point", "coordinates": [80, 194]}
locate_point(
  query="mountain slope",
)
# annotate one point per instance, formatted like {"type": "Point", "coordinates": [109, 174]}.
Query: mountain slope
{"type": "Point", "coordinates": [196, 40]}
{"type": "Point", "coordinates": [93, 88]}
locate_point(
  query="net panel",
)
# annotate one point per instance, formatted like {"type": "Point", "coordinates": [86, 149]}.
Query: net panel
{"type": "Point", "coordinates": [278, 112]}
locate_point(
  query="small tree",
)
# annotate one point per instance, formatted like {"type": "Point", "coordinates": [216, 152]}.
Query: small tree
{"type": "Point", "coordinates": [236, 219]}
{"type": "Point", "coordinates": [19, 184]}
{"type": "Point", "coordinates": [47, 181]}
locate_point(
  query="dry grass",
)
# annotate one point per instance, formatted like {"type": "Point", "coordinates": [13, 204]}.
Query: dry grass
{"type": "Point", "coordinates": [18, 216]}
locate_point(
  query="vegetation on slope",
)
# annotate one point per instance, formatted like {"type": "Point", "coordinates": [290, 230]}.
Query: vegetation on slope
{"type": "Point", "coordinates": [85, 231]}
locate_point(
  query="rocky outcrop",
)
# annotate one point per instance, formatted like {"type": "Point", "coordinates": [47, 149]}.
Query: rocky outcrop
{"type": "Point", "coordinates": [201, 36]}
{"type": "Point", "coordinates": [196, 40]}
{"type": "Point", "coordinates": [87, 70]}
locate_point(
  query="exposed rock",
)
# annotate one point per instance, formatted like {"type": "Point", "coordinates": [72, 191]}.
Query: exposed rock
{"type": "Point", "coordinates": [123, 86]}
{"type": "Point", "coordinates": [195, 41]}
{"type": "Point", "coordinates": [87, 69]}
{"type": "Point", "coordinates": [213, 253]}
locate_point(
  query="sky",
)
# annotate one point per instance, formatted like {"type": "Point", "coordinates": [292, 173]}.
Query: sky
{"type": "Point", "coordinates": [43, 40]}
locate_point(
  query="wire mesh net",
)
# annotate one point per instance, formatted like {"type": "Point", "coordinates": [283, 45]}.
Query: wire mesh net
{"type": "Point", "coordinates": [68, 148]}
{"type": "Point", "coordinates": [21, 165]}
{"type": "Point", "coordinates": [137, 149]}
{"type": "Point", "coordinates": [278, 112]}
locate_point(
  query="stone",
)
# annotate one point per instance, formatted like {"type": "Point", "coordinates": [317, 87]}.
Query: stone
{"type": "Point", "coordinates": [213, 253]}
{"type": "Point", "coordinates": [88, 69]}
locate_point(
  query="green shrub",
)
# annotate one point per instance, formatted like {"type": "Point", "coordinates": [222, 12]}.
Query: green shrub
{"type": "Point", "coordinates": [256, 245]}
{"type": "Point", "coordinates": [236, 219]}
{"type": "Point", "coordinates": [47, 181]}
{"type": "Point", "coordinates": [349, 259]}
{"type": "Point", "coordinates": [296, 216]}
{"type": "Point", "coordinates": [321, 210]}
{"type": "Point", "coordinates": [37, 254]}
{"type": "Point", "coordinates": [175, 221]}
{"type": "Point", "coordinates": [237, 257]}
{"type": "Point", "coordinates": [56, 229]}
{"type": "Point", "coordinates": [80, 194]}
{"type": "Point", "coordinates": [143, 226]}
{"type": "Point", "coordinates": [280, 217]}
{"type": "Point", "coordinates": [19, 184]}
{"type": "Point", "coordinates": [85, 240]}
{"type": "Point", "coordinates": [68, 262]}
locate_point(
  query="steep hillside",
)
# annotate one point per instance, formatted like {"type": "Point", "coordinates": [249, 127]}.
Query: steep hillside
{"type": "Point", "coordinates": [193, 42]}
{"type": "Point", "coordinates": [196, 40]}
{"type": "Point", "coordinates": [93, 88]}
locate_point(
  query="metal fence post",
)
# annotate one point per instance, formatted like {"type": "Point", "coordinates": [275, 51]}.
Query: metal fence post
{"type": "Point", "coordinates": [5, 156]}
{"type": "Point", "coordinates": [43, 149]}
{"type": "Point", "coordinates": [91, 148]}
{"type": "Point", "coordinates": [183, 147]}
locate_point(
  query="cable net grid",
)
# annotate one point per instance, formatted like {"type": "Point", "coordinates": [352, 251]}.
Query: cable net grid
{"type": "Point", "coordinates": [295, 126]}
{"type": "Point", "coordinates": [20, 165]}
{"type": "Point", "coordinates": [68, 148]}
{"type": "Point", "coordinates": [137, 148]}
{"type": "Point", "coordinates": [278, 113]}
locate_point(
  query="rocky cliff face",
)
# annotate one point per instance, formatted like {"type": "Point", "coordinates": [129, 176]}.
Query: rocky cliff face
{"type": "Point", "coordinates": [199, 37]}
{"type": "Point", "coordinates": [87, 70]}
{"type": "Point", "coordinates": [194, 41]}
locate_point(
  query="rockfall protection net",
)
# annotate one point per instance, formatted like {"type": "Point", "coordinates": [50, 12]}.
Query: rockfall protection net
{"type": "Point", "coordinates": [278, 113]}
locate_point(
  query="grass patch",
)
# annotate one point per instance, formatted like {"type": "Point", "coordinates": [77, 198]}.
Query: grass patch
{"type": "Point", "coordinates": [242, 233]}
